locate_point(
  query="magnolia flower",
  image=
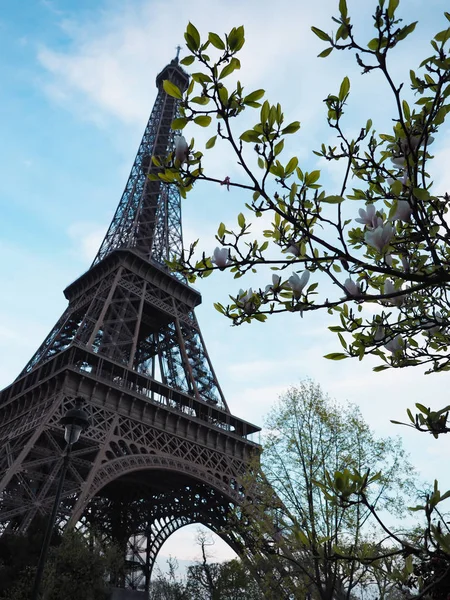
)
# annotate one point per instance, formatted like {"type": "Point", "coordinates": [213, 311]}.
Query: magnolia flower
{"type": "Point", "coordinates": [221, 257]}
{"type": "Point", "coordinates": [394, 345]}
{"type": "Point", "coordinates": [379, 333]}
{"type": "Point", "coordinates": [181, 149]}
{"type": "Point", "coordinates": [379, 237]}
{"type": "Point", "coordinates": [403, 211]}
{"type": "Point", "coordinates": [297, 283]}
{"type": "Point", "coordinates": [245, 301]}
{"type": "Point", "coordinates": [388, 260]}
{"type": "Point", "coordinates": [390, 289]}
{"type": "Point", "coordinates": [399, 161]}
{"type": "Point", "coordinates": [369, 217]}
{"type": "Point", "coordinates": [352, 288]}
{"type": "Point", "coordinates": [417, 140]}
{"type": "Point", "coordinates": [405, 263]}
{"type": "Point", "coordinates": [293, 249]}
{"type": "Point", "coordinates": [276, 281]}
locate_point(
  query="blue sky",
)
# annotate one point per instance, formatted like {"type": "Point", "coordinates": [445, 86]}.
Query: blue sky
{"type": "Point", "coordinates": [77, 88]}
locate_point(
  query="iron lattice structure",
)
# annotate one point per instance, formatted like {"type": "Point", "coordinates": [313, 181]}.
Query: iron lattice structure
{"type": "Point", "coordinates": [162, 449]}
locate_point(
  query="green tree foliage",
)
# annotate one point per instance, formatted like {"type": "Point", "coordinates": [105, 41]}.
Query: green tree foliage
{"type": "Point", "coordinates": [327, 525]}
{"type": "Point", "coordinates": [19, 555]}
{"type": "Point", "coordinates": [229, 580]}
{"type": "Point", "coordinates": [380, 238]}
{"type": "Point", "coordinates": [206, 580]}
{"type": "Point", "coordinates": [168, 586]}
{"type": "Point", "coordinates": [76, 568]}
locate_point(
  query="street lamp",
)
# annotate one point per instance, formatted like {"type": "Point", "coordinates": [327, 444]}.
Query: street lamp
{"type": "Point", "coordinates": [75, 421]}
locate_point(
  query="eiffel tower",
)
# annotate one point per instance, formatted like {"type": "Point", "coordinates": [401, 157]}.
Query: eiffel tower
{"type": "Point", "coordinates": [163, 449]}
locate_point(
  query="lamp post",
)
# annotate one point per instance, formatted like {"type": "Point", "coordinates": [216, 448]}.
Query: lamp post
{"type": "Point", "coordinates": [75, 421]}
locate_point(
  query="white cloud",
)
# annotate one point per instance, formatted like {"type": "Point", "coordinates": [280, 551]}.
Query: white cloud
{"type": "Point", "coordinates": [86, 238]}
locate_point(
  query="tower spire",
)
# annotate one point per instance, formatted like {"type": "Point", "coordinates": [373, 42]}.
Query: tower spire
{"type": "Point", "coordinates": [148, 218]}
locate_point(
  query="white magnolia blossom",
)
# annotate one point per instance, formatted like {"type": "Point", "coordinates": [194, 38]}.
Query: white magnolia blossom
{"type": "Point", "coordinates": [221, 257]}
{"type": "Point", "coordinates": [297, 283]}
{"type": "Point", "coordinates": [399, 161]}
{"type": "Point", "coordinates": [394, 345]}
{"type": "Point", "coordinates": [403, 211]}
{"type": "Point", "coordinates": [352, 288]}
{"type": "Point", "coordinates": [414, 142]}
{"type": "Point", "coordinates": [379, 333]}
{"type": "Point", "coordinates": [405, 263]}
{"type": "Point", "coordinates": [379, 237]}
{"type": "Point", "coordinates": [293, 249]}
{"type": "Point", "coordinates": [276, 284]}
{"type": "Point", "coordinates": [369, 217]}
{"type": "Point", "coordinates": [245, 301]}
{"type": "Point", "coordinates": [181, 149]}
{"type": "Point", "coordinates": [389, 288]}
{"type": "Point", "coordinates": [388, 260]}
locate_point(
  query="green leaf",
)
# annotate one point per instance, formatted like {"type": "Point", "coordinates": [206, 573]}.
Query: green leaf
{"type": "Point", "coordinates": [202, 100]}
{"type": "Point", "coordinates": [203, 120]}
{"type": "Point", "coordinates": [313, 177]}
{"type": "Point", "coordinates": [221, 230]}
{"type": "Point", "coordinates": [405, 31]}
{"type": "Point", "coordinates": [291, 128]}
{"type": "Point", "coordinates": [397, 187]}
{"type": "Point", "coordinates": [254, 96]}
{"type": "Point", "coordinates": [241, 220]}
{"type": "Point", "coordinates": [333, 199]}
{"type": "Point", "coordinates": [336, 356]}
{"type": "Point", "coordinates": [380, 368]}
{"type": "Point", "coordinates": [265, 110]}
{"type": "Point", "coordinates": [236, 38]}
{"type": "Point", "coordinates": [260, 317]}
{"type": "Point", "coordinates": [187, 60]}
{"type": "Point", "coordinates": [373, 44]}
{"type": "Point", "coordinates": [194, 37]}
{"type": "Point", "coordinates": [422, 408]}
{"type": "Point", "coordinates": [250, 136]}
{"type": "Point", "coordinates": [421, 194]}
{"type": "Point", "coordinates": [278, 148]}
{"type": "Point", "coordinates": [406, 110]}
{"type": "Point", "coordinates": [201, 78]}
{"type": "Point", "coordinates": [179, 123]}
{"type": "Point", "coordinates": [344, 89]}
{"type": "Point", "coordinates": [291, 166]}
{"type": "Point", "coordinates": [172, 90]}
{"type": "Point", "coordinates": [223, 95]}
{"type": "Point", "coordinates": [321, 34]}
{"type": "Point", "coordinates": [228, 69]}
{"type": "Point", "coordinates": [392, 7]}
{"type": "Point", "coordinates": [443, 36]}
{"type": "Point", "coordinates": [343, 8]}
{"type": "Point", "coordinates": [216, 41]}
{"type": "Point", "coordinates": [210, 143]}
{"type": "Point", "coordinates": [325, 52]}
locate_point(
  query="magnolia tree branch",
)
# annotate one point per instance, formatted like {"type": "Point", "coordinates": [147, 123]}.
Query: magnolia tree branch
{"type": "Point", "coordinates": [394, 251]}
